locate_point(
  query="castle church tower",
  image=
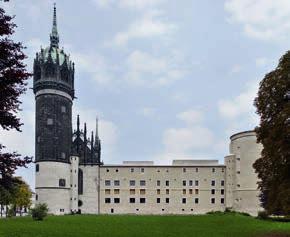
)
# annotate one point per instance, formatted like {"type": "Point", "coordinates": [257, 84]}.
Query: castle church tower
{"type": "Point", "coordinates": [53, 86]}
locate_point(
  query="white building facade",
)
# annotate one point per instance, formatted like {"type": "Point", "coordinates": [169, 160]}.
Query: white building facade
{"type": "Point", "coordinates": [185, 187]}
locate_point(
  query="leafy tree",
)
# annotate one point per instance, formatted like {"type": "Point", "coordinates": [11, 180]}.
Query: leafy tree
{"type": "Point", "coordinates": [22, 196]}
{"type": "Point", "coordinates": [5, 200]}
{"type": "Point", "coordinates": [13, 81]}
{"type": "Point", "coordinates": [273, 167]}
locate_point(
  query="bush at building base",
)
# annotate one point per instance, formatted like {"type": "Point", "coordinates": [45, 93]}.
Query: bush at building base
{"type": "Point", "coordinates": [39, 212]}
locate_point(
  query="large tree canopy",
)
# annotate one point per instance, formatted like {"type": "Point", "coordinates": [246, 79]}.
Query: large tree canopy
{"type": "Point", "coordinates": [13, 75]}
{"type": "Point", "coordinates": [13, 81]}
{"type": "Point", "coordinates": [273, 167]}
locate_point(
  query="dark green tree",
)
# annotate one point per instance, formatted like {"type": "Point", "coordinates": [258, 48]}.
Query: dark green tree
{"type": "Point", "coordinates": [13, 82]}
{"type": "Point", "coordinates": [273, 167]}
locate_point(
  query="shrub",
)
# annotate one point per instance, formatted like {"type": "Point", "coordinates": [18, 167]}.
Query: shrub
{"type": "Point", "coordinates": [263, 215]}
{"type": "Point", "coordinates": [39, 212]}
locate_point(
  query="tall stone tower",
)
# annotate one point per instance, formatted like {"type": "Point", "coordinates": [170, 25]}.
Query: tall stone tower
{"type": "Point", "coordinates": [54, 93]}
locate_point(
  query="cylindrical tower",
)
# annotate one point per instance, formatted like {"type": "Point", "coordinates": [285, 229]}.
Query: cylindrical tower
{"type": "Point", "coordinates": [242, 188]}
{"type": "Point", "coordinates": [54, 93]}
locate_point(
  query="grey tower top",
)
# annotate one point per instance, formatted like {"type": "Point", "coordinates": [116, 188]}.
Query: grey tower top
{"type": "Point", "coordinates": [54, 38]}
{"type": "Point", "coordinates": [53, 68]}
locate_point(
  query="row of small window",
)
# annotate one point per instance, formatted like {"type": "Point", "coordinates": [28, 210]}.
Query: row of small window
{"type": "Point", "coordinates": [142, 170]}
{"type": "Point", "coordinates": [158, 183]}
{"type": "Point", "coordinates": [158, 191]}
{"type": "Point", "coordinates": [158, 200]}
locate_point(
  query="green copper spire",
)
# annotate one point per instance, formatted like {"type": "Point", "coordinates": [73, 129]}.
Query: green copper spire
{"type": "Point", "coordinates": [54, 38]}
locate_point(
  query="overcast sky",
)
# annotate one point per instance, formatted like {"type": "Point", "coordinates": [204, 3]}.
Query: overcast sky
{"type": "Point", "coordinates": [167, 78]}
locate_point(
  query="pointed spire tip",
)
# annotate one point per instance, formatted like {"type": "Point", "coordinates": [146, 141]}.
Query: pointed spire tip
{"type": "Point", "coordinates": [54, 38]}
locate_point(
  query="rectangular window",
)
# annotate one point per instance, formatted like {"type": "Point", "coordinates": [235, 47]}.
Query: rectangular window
{"type": "Point", "coordinates": [158, 200]}
{"type": "Point", "coordinates": [49, 121]}
{"type": "Point", "coordinates": [63, 109]}
{"type": "Point", "coordinates": [116, 191]}
{"type": "Point", "coordinates": [212, 191]}
{"type": "Point", "coordinates": [142, 191]}
{"type": "Point", "coordinates": [213, 201]}
{"type": "Point", "coordinates": [222, 191]}
{"type": "Point", "coordinates": [107, 182]}
{"type": "Point", "coordinates": [167, 191]}
{"type": "Point", "coordinates": [117, 182]}
{"type": "Point", "coordinates": [190, 191]}
{"type": "Point", "coordinates": [167, 200]}
{"type": "Point", "coordinates": [132, 170]}
{"type": "Point", "coordinates": [222, 200]}
{"type": "Point", "coordinates": [116, 200]}
{"type": "Point", "coordinates": [142, 200]}
{"type": "Point", "coordinates": [132, 183]}
{"type": "Point", "coordinates": [36, 197]}
{"type": "Point", "coordinates": [142, 182]}
{"type": "Point", "coordinates": [107, 191]}
{"type": "Point", "coordinates": [213, 170]}
{"type": "Point", "coordinates": [107, 200]}
{"type": "Point", "coordinates": [142, 170]}
{"type": "Point", "coordinates": [132, 191]}
{"type": "Point", "coordinates": [196, 170]}
{"type": "Point", "coordinates": [184, 200]}
{"type": "Point", "coordinates": [190, 182]}
{"type": "Point", "coordinates": [196, 191]}
{"type": "Point", "coordinates": [61, 182]}
{"type": "Point", "coordinates": [158, 191]}
{"type": "Point", "coordinates": [132, 200]}
{"type": "Point", "coordinates": [167, 183]}
{"type": "Point", "coordinates": [184, 170]}
{"type": "Point", "coordinates": [196, 183]}
{"type": "Point", "coordinates": [222, 183]}
{"type": "Point", "coordinates": [158, 182]}
{"type": "Point", "coordinates": [37, 168]}
{"type": "Point", "coordinates": [196, 200]}
{"type": "Point", "coordinates": [212, 183]}
{"type": "Point", "coordinates": [184, 191]}
{"type": "Point", "coordinates": [184, 182]}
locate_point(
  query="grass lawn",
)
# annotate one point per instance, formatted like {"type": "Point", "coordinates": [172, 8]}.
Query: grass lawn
{"type": "Point", "coordinates": [137, 226]}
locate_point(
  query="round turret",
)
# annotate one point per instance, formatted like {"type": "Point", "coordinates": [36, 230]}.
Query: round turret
{"type": "Point", "coordinates": [242, 188]}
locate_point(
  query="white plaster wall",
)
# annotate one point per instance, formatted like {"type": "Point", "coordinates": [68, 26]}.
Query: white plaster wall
{"type": "Point", "coordinates": [247, 151]}
{"type": "Point", "coordinates": [89, 197]}
{"type": "Point", "coordinates": [230, 180]}
{"type": "Point", "coordinates": [74, 183]}
{"type": "Point", "coordinates": [47, 186]}
{"type": "Point", "coordinates": [56, 199]}
{"type": "Point", "coordinates": [175, 175]}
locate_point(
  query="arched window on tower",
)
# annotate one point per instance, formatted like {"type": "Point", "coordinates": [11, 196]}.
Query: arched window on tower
{"type": "Point", "coordinates": [80, 182]}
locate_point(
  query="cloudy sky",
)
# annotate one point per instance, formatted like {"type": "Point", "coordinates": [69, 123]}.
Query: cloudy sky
{"type": "Point", "coordinates": [167, 78]}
